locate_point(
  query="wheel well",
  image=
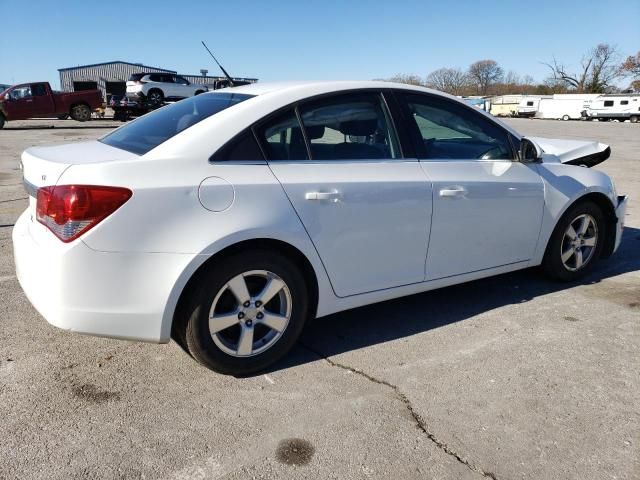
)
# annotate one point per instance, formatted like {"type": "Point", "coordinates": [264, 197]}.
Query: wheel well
{"type": "Point", "coordinates": [155, 89]}
{"type": "Point", "coordinates": [609, 211]}
{"type": "Point", "coordinates": [272, 245]}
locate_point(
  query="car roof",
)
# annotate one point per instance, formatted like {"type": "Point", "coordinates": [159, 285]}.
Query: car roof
{"type": "Point", "coordinates": [261, 88]}
{"type": "Point", "coordinates": [301, 89]}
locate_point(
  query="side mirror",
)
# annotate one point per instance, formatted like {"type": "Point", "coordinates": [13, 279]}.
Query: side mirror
{"type": "Point", "coordinates": [530, 151]}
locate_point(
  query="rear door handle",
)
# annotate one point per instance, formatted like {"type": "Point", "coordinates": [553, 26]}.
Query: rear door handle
{"type": "Point", "coordinates": [330, 196]}
{"type": "Point", "coordinates": [453, 192]}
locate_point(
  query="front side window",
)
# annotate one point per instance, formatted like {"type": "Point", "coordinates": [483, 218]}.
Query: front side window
{"type": "Point", "coordinates": [449, 130]}
{"type": "Point", "coordinates": [349, 127]}
{"type": "Point", "coordinates": [152, 129]}
{"type": "Point", "coordinates": [608, 103]}
{"type": "Point", "coordinates": [20, 93]}
{"type": "Point", "coordinates": [181, 81]}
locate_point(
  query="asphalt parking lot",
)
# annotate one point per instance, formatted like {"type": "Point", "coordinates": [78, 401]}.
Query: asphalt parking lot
{"type": "Point", "coordinates": [512, 377]}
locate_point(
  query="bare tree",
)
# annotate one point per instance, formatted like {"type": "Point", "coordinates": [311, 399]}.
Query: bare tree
{"type": "Point", "coordinates": [484, 74]}
{"type": "Point", "coordinates": [598, 70]}
{"type": "Point", "coordinates": [410, 79]}
{"type": "Point", "coordinates": [511, 78]}
{"type": "Point", "coordinates": [450, 80]}
{"type": "Point", "coordinates": [631, 66]}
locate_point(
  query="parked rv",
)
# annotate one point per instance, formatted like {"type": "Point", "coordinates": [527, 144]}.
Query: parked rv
{"type": "Point", "coordinates": [563, 106]}
{"type": "Point", "coordinates": [613, 107]}
{"type": "Point", "coordinates": [528, 106]}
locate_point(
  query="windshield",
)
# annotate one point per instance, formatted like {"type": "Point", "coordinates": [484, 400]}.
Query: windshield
{"type": "Point", "coordinates": [152, 129]}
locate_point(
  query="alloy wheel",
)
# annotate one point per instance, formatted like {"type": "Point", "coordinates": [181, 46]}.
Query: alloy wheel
{"type": "Point", "coordinates": [579, 242]}
{"type": "Point", "coordinates": [250, 313]}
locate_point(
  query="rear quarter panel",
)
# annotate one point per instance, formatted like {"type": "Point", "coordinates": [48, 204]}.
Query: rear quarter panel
{"type": "Point", "coordinates": [165, 214]}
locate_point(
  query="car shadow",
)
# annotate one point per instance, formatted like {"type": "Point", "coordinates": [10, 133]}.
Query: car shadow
{"type": "Point", "coordinates": [390, 320]}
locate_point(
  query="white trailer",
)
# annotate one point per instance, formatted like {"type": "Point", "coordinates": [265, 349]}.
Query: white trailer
{"type": "Point", "coordinates": [528, 106]}
{"type": "Point", "coordinates": [613, 107]}
{"type": "Point", "coordinates": [564, 106]}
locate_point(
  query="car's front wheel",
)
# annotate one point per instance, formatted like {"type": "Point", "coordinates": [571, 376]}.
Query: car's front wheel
{"type": "Point", "coordinates": [245, 312]}
{"type": "Point", "coordinates": [576, 243]}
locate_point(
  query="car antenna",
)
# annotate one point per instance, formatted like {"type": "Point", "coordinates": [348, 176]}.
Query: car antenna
{"type": "Point", "coordinates": [218, 63]}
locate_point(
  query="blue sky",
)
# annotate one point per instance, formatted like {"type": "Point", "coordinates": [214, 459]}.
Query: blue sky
{"type": "Point", "coordinates": [309, 39]}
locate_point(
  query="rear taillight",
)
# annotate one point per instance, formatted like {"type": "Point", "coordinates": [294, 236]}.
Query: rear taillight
{"type": "Point", "coordinates": [71, 210]}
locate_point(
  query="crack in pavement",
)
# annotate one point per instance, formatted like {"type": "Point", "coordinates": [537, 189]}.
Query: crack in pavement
{"type": "Point", "coordinates": [419, 421]}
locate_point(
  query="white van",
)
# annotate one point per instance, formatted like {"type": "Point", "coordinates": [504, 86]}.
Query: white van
{"type": "Point", "coordinates": [613, 107]}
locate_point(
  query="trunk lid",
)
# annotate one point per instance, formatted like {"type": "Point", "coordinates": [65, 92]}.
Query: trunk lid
{"type": "Point", "coordinates": [575, 152]}
{"type": "Point", "coordinates": [43, 166]}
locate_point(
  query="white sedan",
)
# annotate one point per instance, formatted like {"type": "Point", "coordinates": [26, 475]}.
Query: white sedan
{"type": "Point", "coordinates": [229, 219]}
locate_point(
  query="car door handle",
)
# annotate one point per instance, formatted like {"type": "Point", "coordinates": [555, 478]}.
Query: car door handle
{"type": "Point", "coordinates": [453, 192]}
{"type": "Point", "coordinates": [331, 196]}
{"type": "Point", "coordinates": [29, 100]}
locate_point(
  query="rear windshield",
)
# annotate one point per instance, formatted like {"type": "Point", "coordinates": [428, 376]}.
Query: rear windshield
{"type": "Point", "coordinates": [152, 129]}
{"type": "Point", "coordinates": [136, 76]}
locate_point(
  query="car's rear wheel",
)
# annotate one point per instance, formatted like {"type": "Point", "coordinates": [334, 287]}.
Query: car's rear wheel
{"type": "Point", "coordinates": [1, 121]}
{"type": "Point", "coordinates": [198, 92]}
{"type": "Point", "coordinates": [566, 117]}
{"type": "Point", "coordinates": [576, 243]}
{"type": "Point", "coordinates": [81, 113]}
{"type": "Point", "coordinates": [155, 97]}
{"type": "Point", "coordinates": [245, 312]}
{"type": "Point", "coordinates": [633, 119]}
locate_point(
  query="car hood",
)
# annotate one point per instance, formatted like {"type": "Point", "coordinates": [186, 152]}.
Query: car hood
{"type": "Point", "coordinates": [575, 152]}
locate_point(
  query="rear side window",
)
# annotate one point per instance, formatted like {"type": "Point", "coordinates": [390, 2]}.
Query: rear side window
{"type": "Point", "coordinates": [38, 90]}
{"type": "Point", "coordinates": [242, 148]}
{"type": "Point", "coordinates": [282, 138]}
{"type": "Point", "coordinates": [529, 104]}
{"type": "Point", "coordinates": [152, 129]}
{"type": "Point", "coordinates": [349, 127]}
{"type": "Point", "coordinates": [624, 102]}
{"type": "Point", "coordinates": [608, 103]}
{"type": "Point", "coordinates": [449, 130]}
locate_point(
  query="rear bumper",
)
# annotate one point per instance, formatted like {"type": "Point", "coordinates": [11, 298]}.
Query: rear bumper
{"type": "Point", "coordinates": [119, 295]}
{"type": "Point", "coordinates": [621, 211]}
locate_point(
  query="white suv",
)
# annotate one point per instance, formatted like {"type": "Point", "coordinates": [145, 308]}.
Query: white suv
{"type": "Point", "coordinates": [158, 87]}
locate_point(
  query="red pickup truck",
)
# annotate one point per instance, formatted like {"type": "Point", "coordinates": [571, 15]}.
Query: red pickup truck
{"type": "Point", "coordinates": [34, 100]}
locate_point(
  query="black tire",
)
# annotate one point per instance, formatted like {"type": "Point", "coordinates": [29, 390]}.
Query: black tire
{"type": "Point", "coordinates": [198, 92]}
{"type": "Point", "coordinates": [2, 120]}
{"type": "Point", "coordinates": [80, 113]}
{"type": "Point", "coordinates": [155, 97]}
{"type": "Point", "coordinates": [633, 119]}
{"type": "Point", "coordinates": [192, 327]}
{"type": "Point", "coordinates": [566, 117]}
{"type": "Point", "coordinates": [552, 263]}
